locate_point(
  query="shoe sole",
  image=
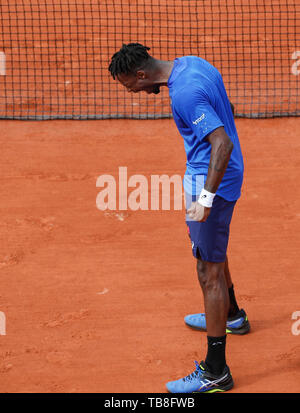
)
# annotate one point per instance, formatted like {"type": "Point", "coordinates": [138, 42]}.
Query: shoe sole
{"type": "Point", "coordinates": [244, 329]}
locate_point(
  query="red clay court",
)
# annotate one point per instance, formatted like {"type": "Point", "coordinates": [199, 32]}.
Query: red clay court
{"type": "Point", "coordinates": [94, 301]}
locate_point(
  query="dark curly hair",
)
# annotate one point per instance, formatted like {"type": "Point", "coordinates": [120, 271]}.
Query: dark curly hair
{"type": "Point", "coordinates": [129, 59]}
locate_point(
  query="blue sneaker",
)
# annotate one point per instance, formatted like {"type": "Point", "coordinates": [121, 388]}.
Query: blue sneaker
{"type": "Point", "coordinates": [238, 324]}
{"type": "Point", "coordinates": [202, 381]}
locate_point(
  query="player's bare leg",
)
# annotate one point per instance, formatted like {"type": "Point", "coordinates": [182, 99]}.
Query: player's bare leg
{"type": "Point", "coordinates": [237, 320]}
{"type": "Point", "coordinates": [216, 301]}
{"type": "Point", "coordinates": [216, 298]}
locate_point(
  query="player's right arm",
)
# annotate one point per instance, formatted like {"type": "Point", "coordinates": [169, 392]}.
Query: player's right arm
{"type": "Point", "coordinates": [197, 112]}
{"type": "Point", "coordinates": [221, 148]}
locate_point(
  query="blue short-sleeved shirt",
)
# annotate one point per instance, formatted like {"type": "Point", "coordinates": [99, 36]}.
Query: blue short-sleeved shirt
{"type": "Point", "coordinates": [200, 105]}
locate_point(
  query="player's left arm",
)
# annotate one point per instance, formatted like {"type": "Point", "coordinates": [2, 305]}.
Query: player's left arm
{"type": "Point", "coordinates": [221, 148]}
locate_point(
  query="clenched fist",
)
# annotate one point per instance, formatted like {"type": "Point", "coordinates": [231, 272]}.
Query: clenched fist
{"type": "Point", "coordinates": [198, 212]}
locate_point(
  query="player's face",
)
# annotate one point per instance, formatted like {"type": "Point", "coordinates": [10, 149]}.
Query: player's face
{"type": "Point", "coordinates": [138, 83]}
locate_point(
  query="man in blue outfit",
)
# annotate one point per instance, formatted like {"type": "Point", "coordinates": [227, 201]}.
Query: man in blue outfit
{"type": "Point", "coordinates": [213, 179]}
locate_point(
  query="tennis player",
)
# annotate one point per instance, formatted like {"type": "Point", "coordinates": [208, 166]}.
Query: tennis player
{"type": "Point", "coordinates": [212, 182]}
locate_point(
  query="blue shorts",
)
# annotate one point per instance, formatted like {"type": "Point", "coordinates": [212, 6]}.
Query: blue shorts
{"type": "Point", "coordinates": [210, 238]}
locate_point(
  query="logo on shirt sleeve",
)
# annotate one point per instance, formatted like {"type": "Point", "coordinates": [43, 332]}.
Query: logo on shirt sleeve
{"type": "Point", "coordinates": [195, 122]}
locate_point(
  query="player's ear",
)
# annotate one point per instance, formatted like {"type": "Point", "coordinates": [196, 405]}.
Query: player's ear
{"type": "Point", "coordinates": [140, 74]}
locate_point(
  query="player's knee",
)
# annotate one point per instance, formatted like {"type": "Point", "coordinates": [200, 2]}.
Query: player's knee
{"type": "Point", "coordinates": [212, 276]}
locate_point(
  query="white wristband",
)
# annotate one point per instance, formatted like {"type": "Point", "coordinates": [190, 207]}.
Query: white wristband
{"type": "Point", "coordinates": [206, 198]}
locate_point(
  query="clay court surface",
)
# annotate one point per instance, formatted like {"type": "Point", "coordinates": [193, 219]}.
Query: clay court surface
{"type": "Point", "coordinates": [94, 301]}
